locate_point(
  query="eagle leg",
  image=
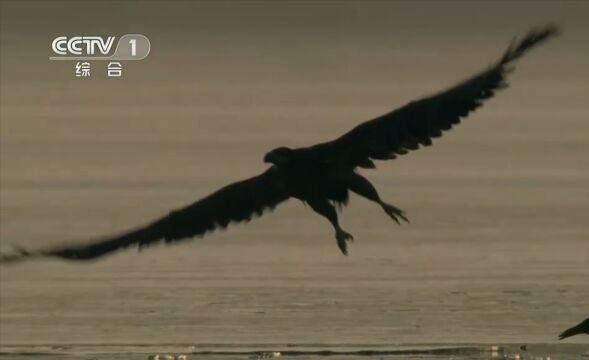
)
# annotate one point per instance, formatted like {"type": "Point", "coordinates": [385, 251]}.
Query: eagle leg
{"type": "Point", "coordinates": [361, 186]}
{"type": "Point", "coordinates": [324, 208]}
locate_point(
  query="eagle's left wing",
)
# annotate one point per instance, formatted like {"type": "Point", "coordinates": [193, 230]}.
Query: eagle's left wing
{"type": "Point", "coordinates": [237, 202]}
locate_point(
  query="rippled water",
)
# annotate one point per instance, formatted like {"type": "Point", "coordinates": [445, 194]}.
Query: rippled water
{"type": "Point", "coordinates": [259, 352]}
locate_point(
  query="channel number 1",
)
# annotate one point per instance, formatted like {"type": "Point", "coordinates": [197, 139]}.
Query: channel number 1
{"type": "Point", "coordinates": [133, 43]}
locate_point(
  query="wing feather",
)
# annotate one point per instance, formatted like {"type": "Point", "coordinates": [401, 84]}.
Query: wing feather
{"type": "Point", "coordinates": [237, 202]}
{"type": "Point", "coordinates": [418, 122]}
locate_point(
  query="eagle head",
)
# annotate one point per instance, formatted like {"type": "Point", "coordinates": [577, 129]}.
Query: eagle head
{"type": "Point", "coordinates": [279, 156]}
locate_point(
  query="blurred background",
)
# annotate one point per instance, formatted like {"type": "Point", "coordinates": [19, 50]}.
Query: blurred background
{"type": "Point", "coordinates": [497, 249]}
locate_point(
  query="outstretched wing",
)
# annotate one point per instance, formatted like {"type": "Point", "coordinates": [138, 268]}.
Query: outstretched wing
{"type": "Point", "coordinates": [233, 203]}
{"type": "Point", "coordinates": [418, 122]}
{"type": "Point", "coordinates": [582, 328]}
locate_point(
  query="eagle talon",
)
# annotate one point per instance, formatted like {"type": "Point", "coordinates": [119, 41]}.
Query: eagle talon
{"type": "Point", "coordinates": [342, 238]}
{"type": "Point", "coordinates": [395, 213]}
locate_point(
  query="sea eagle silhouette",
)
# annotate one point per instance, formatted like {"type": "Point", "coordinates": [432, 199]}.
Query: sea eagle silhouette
{"type": "Point", "coordinates": [581, 328]}
{"type": "Point", "coordinates": [320, 175]}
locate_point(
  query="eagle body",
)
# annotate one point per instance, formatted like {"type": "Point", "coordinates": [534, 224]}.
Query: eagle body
{"type": "Point", "coordinates": [312, 179]}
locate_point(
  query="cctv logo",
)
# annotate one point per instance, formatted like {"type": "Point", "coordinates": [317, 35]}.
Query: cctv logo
{"type": "Point", "coordinates": [90, 48]}
{"type": "Point", "coordinates": [79, 45]}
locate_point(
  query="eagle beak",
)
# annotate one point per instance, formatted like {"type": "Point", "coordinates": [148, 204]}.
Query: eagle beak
{"type": "Point", "coordinates": [267, 158]}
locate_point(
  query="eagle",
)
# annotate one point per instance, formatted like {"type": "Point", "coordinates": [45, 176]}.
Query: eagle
{"type": "Point", "coordinates": [321, 175]}
{"type": "Point", "coordinates": [581, 328]}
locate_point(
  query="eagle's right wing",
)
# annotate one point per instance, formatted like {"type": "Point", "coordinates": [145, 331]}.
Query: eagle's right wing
{"type": "Point", "coordinates": [418, 122]}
